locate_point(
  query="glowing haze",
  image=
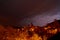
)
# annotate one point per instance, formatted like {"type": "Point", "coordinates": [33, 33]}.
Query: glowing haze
{"type": "Point", "coordinates": [43, 19]}
{"type": "Point", "coordinates": [21, 12]}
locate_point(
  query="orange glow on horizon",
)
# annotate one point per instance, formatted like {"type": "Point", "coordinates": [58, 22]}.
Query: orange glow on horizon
{"type": "Point", "coordinates": [27, 33]}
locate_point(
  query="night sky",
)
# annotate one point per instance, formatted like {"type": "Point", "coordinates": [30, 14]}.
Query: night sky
{"type": "Point", "coordinates": [23, 12]}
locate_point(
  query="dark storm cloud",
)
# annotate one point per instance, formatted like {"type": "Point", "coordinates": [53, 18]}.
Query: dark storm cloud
{"type": "Point", "coordinates": [16, 10]}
